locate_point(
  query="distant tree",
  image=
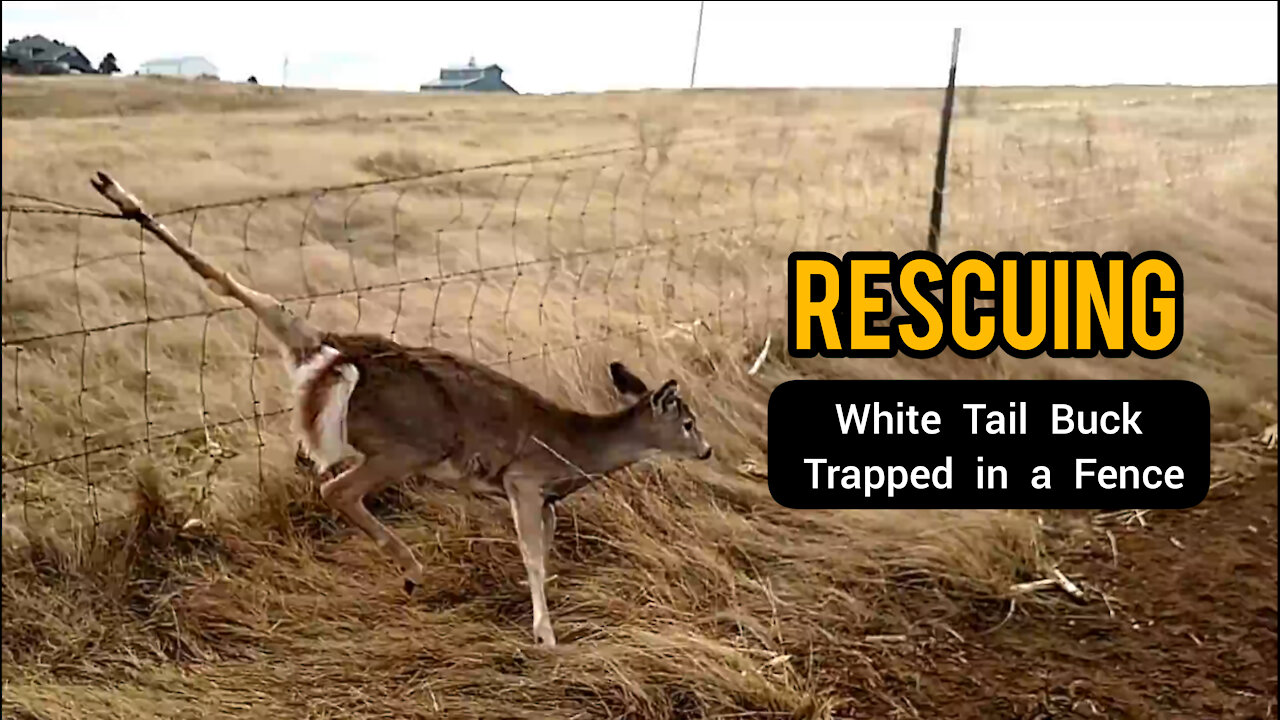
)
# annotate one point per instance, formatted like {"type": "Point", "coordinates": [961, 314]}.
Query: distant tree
{"type": "Point", "coordinates": [253, 80]}
{"type": "Point", "coordinates": [108, 64]}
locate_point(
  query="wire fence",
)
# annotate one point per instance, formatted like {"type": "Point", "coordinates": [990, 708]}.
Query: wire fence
{"type": "Point", "coordinates": [538, 266]}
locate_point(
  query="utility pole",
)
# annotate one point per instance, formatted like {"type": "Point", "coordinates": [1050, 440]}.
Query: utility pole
{"type": "Point", "coordinates": [284, 73]}
{"type": "Point", "coordinates": [697, 41]}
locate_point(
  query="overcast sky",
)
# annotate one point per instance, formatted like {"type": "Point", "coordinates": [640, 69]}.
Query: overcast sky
{"type": "Point", "coordinates": [547, 47]}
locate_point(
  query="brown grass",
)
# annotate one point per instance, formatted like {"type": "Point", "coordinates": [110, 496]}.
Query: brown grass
{"type": "Point", "coordinates": [681, 590]}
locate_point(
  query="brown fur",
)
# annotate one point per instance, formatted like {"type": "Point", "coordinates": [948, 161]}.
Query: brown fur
{"type": "Point", "coordinates": [451, 409]}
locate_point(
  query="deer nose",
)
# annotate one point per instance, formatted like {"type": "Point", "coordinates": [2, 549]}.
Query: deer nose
{"type": "Point", "coordinates": [705, 453]}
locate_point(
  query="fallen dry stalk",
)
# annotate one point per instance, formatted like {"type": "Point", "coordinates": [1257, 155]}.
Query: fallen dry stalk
{"type": "Point", "coordinates": [764, 352]}
{"type": "Point", "coordinates": [1129, 516]}
{"type": "Point", "coordinates": [1013, 605]}
{"type": "Point", "coordinates": [1059, 580]}
{"type": "Point", "coordinates": [885, 638]}
{"type": "Point", "coordinates": [1268, 436]}
{"type": "Point", "coordinates": [1071, 588]}
{"type": "Point", "coordinates": [1033, 586]}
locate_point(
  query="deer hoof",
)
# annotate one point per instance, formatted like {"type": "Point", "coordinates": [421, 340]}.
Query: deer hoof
{"type": "Point", "coordinates": [412, 579]}
{"type": "Point", "coordinates": [544, 637]}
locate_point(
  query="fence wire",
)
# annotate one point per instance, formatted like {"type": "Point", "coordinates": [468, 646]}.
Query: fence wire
{"type": "Point", "coordinates": [539, 266]}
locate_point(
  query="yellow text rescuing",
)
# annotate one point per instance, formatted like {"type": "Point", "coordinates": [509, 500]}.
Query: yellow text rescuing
{"type": "Point", "coordinates": [1063, 304]}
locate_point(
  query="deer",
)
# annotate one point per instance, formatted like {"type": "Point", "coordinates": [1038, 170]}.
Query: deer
{"type": "Point", "coordinates": [369, 412]}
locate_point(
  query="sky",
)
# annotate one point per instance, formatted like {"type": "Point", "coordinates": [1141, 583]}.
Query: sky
{"type": "Point", "coordinates": [551, 47]}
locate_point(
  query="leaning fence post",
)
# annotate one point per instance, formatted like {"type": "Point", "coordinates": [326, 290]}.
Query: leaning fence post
{"type": "Point", "coordinates": [940, 167]}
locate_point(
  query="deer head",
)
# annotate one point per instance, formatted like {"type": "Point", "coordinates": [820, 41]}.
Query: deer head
{"type": "Point", "coordinates": [662, 420]}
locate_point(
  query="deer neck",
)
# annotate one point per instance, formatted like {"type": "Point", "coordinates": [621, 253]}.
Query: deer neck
{"type": "Point", "coordinates": [598, 444]}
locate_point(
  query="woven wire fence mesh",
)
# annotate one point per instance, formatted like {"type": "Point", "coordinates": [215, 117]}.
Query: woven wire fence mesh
{"type": "Point", "coordinates": [542, 267]}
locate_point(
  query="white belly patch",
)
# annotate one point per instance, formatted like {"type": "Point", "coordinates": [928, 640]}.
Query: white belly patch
{"type": "Point", "coordinates": [324, 439]}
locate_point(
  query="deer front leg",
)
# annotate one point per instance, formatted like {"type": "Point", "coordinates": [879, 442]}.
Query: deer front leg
{"type": "Point", "coordinates": [548, 531]}
{"type": "Point", "coordinates": [527, 512]}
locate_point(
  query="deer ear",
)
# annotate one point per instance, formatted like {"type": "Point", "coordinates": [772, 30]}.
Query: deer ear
{"type": "Point", "coordinates": [666, 396]}
{"type": "Point", "coordinates": [626, 383]}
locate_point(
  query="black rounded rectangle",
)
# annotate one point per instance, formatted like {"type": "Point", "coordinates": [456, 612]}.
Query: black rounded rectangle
{"type": "Point", "coordinates": [913, 444]}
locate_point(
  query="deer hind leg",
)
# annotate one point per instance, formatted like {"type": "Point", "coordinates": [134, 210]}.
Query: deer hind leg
{"type": "Point", "coordinates": [527, 511]}
{"type": "Point", "coordinates": [346, 492]}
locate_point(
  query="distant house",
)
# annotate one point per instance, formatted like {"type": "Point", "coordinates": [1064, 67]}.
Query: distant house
{"type": "Point", "coordinates": [468, 78]}
{"type": "Point", "coordinates": [190, 67]}
{"type": "Point", "coordinates": [38, 55]}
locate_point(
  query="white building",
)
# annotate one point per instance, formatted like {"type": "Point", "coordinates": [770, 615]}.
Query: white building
{"type": "Point", "coordinates": [183, 67]}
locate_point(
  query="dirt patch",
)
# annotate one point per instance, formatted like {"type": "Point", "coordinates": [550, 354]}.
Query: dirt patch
{"type": "Point", "coordinates": [1188, 628]}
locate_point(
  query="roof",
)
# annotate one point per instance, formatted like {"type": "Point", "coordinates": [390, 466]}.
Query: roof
{"type": "Point", "coordinates": [451, 84]}
{"type": "Point", "coordinates": [38, 41]}
{"type": "Point", "coordinates": [491, 66]}
{"type": "Point", "coordinates": [176, 60]}
{"type": "Point", "coordinates": [49, 49]}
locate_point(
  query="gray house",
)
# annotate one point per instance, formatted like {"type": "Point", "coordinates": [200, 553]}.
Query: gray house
{"type": "Point", "coordinates": [38, 55]}
{"type": "Point", "coordinates": [468, 78]}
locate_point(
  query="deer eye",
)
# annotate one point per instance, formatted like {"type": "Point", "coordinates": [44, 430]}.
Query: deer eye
{"type": "Point", "coordinates": [688, 425]}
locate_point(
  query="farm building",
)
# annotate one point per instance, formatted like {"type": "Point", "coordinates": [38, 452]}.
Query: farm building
{"type": "Point", "coordinates": [190, 67]}
{"type": "Point", "coordinates": [38, 55]}
{"type": "Point", "coordinates": [468, 78]}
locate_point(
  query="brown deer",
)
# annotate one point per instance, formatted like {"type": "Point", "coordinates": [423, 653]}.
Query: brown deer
{"type": "Point", "coordinates": [369, 412]}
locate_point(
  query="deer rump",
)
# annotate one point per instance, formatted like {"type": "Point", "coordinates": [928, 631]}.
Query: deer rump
{"type": "Point", "coordinates": [454, 419]}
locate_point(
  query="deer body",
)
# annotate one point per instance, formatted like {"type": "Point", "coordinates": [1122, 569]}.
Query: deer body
{"type": "Point", "coordinates": [370, 412]}
{"type": "Point", "coordinates": [464, 420]}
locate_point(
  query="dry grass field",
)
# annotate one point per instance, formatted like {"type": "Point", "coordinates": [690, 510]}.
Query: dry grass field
{"type": "Point", "coordinates": [548, 236]}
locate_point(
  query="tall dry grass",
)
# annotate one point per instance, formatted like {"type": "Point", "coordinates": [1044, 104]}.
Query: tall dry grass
{"type": "Point", "coordinates": [680, 590]}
